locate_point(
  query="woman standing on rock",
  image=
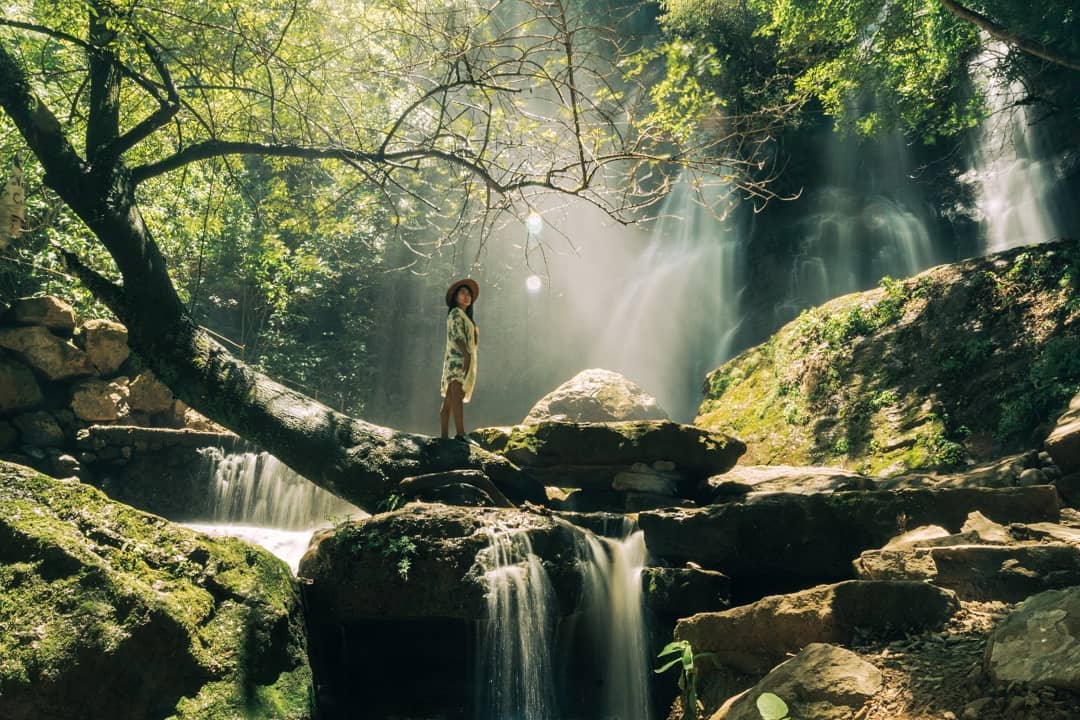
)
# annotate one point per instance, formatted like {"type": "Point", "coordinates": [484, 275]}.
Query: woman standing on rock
{"type": "Point", "coordinates": [459, 362]}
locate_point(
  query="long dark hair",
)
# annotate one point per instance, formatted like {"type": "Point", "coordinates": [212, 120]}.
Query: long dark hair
{"type": "Point", "coordinates": [453, 296]}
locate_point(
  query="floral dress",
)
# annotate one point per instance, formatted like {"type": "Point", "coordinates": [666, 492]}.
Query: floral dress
{"type": "Point", "coordinates": [459, 327]}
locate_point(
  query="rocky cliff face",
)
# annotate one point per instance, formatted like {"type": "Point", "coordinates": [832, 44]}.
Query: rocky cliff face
{"type": "Point", "coordinates": [962, 362]}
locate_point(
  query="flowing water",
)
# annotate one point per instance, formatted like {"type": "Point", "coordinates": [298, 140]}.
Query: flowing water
{"type": "Point", "coordinates": [675, 314]}
{"type": "Point", "coordinates": [514, 660]}
{"type": "Point", "coordinates": [616, 620]}
{"type": "Point", "coordinates": [867, 219]}
{"type": "Point", "coordinates": [514, 657]}
{"type": "Point", "coordinates": [1016, 180]}
{"type": "Point", "coordinates": [258, 498]}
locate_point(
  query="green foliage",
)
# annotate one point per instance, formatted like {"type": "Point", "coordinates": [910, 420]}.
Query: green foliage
{"type": "Point", "coordinates": [683, 656]}
{"type": "Point", "coordinates": [684, 97]}
{"type": "Point", "coordinates": [1051, 381]}
{"type": "Point", "coordinates": [401, 551]}
{"type": "Point", "coordinates": [872, 65]}
{"type": "Point", "coordinates": [391, 502]}
{"type": "Point", "coordinates": [771, 707]}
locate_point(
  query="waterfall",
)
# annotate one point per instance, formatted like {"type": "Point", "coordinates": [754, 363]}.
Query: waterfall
{"type": "Point", "coordinates": [616, 619]}
{"type": "Point", "coordinates": [866, 221]}
{"type": "Point", "coordinates": [514, 659]}
{"type": "Point", "coordinates": [514, 662]}
{"type": "Point", "coordinates": [676, 313]}
{"type": "Point", "coordinates": [258, 498]}
{"type": "Point", "coordinates": [1015, 179]}
{"type": "Point", "coordinates": [259, 489]}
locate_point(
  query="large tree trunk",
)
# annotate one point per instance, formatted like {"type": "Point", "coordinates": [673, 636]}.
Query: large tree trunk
{"type": "Point", "coordinates": [358, 461]}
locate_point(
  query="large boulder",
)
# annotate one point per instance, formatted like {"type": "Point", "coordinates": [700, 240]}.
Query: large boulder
{"type": "Point", "coordinates": [753, 638]}
{"type": "Point", "coordinates": [1063, 444]}
{"type": "Point", "coordinates": [394, 602]}
{"type": "Point", "coordinates": [107, 612]}
{"type": "Point", "coordinates": [751, 480]}
{"type": "Point", "coordinates": [18, 388]}
{"type": "Point", "coordinates": [816, 537]}
{"type": "Point", "coordinates": [55, 358]}
{"type": "Point", "coordinates": [375, 567]}
{"type": "Point", "coordinates": [822, 682]}
{"type": "Point", "coordinates": [596, 396]}
{"type": "Point", "coordinates": [1008, 573]}
{"type": "Point", "coordinates": [47, 311]}
{"type": "Point", "coordinates": [592, 454]}
{"type": "Point", "coordinates": [1039, 643]}
{"type": "Point", "coordinates": [105, 343]}
{"type": "Point", "coordinates": [681, 592]}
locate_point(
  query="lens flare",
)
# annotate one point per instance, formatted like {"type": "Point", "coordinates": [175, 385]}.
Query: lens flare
{"type": "Point", "coordinates": [534, 223]}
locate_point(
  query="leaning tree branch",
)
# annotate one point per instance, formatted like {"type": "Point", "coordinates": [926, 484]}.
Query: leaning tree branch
{"type": "Point", "coordinates": [36, 123]}
{"type": "Point", "coordinates": [1000, 32]}
{"type": "Point", "coordinates": [138, 78]}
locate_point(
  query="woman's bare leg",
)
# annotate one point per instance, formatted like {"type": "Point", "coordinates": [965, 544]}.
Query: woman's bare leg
{"type": "Point", "coordinates": [444, 414]}
{"type": "Point", "coordinates": [457, 406]}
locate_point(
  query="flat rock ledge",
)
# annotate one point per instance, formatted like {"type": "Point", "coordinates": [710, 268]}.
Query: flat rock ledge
{"type": "Point", "coordinates": [753, 638]}
{"type": "Point", "coordinates": [817, 537]}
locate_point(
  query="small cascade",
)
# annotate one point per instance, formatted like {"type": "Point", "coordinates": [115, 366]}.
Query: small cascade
{"type": "Point", "coordinates": [259, 489]}
{"type": "Point", "coordinates": [258, 498]}
{"type": "Point", "coordinates": [616, 621]}
{"type": "Point", "coordinates": [514, 655]}
{"type": "Point", "coordinates": [609, 671]}
{"type": "Point", "coordinates": [1015, 179]}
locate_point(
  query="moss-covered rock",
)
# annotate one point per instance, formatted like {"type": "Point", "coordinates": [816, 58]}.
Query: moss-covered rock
{"type": "Point", "coordinates": [965, 360]}
{"type": "Point", "coordinates": [421, 561]}
{"type": "Point", "coordinates": [692, 450]}
{"type": "Point", "coordinates": [108, 612]}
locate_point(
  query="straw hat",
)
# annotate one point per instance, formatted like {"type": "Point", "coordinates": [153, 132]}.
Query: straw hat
{"type": "Point", "coordinates": [452, 290]}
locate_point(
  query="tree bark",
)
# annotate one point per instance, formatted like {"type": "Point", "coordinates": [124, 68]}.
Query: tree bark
{"type": "Point", "coordinates": [358, 461]}
{"type": "Point", "coordinates": [1001, 33]}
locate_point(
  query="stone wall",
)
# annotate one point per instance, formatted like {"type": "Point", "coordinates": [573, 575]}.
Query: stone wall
{"type": "Point", "coordinates": [60, 377]}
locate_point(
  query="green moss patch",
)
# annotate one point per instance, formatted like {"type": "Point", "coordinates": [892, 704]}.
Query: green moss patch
{"type": "Point", "coordinates": [122, 614]}
{"type": "Point", "coordinates": [965, 361]}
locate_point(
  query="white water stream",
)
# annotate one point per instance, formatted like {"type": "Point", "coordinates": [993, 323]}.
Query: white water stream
{"type": "Point", "coordinates": [516, 678]}
{"type": "Point", "coordinates": [261, 500]}
{"type": "Point", "coordinates": [1015, 180]}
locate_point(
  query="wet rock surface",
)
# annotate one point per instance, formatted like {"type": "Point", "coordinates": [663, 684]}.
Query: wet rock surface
{"type": "Point", "coordinates": [421, 562]}
{"type": "Point", "coordinates": [681, 592]}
